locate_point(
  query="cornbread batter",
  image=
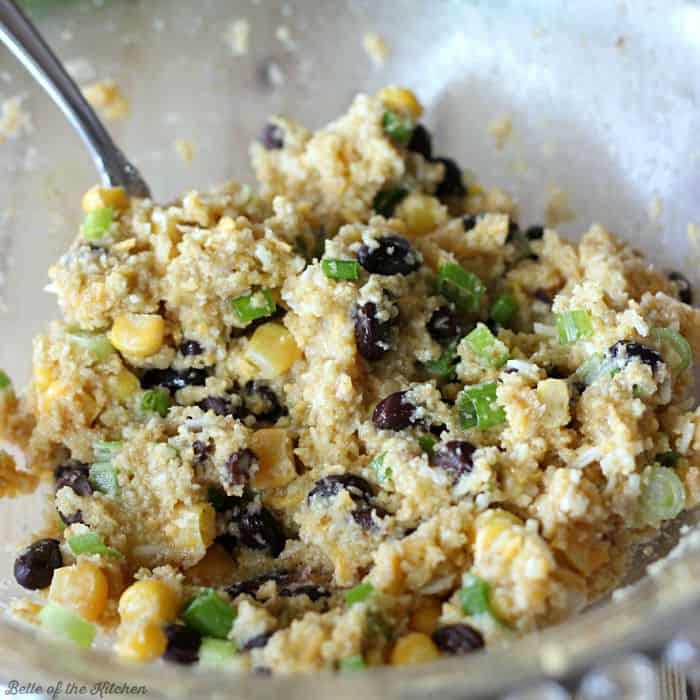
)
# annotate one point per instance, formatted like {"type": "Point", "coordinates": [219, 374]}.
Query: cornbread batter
{"type": "Point", "coordinates": [360, 416]}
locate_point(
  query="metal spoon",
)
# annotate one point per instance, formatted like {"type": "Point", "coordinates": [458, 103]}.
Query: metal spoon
{"type": "Point", "coordinates": [22, 38]}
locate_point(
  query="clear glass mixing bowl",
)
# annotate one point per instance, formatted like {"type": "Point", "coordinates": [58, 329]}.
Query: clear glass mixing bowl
{"type": "Point", "coordinates": [603, 99]}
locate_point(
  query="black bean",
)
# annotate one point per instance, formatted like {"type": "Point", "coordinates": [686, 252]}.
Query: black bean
{"type": "Point", "coordinates": [329, 486]}
{"type": "Point", "coordinates": [451, 185]}
{"type": "Point", "coordinates": [313, 592]}
{"type": "Point", "coordinates": [228, 542]}
{"type": "Point", "coordinates": [542, 296]}
{"type": "Point", "coordinates": [394, 412]}
{"type": "Point", "coordinates": [173, 379]}
{"type": "Point", "coordinates": [365, 516]}
{"type": "Point", "coordinates": [183, 644]}
{"type": "Point", "coordinates": [437, 428]}
{"type": "Point", "coordinates": [492, 325]}
{"type": "Point", "coordinates": [557, 373]}
{"type": "Point", "coordinates": [469, 221]}
{"type": "Point", "coordinates": [457, 640]}
{"type": "Point", "coordinates": [513, 231]}
{"type": "Point", "coordinates": [372, 336]}
{"type": "Point", "coordinates": [443, 324]}
{"type": "Point", "coordinates": [219, 405]}
{"type": "Point", "coordinates": [223, 503]}
{"type": "Point", "coordinates": [629, 349]}
{"type": "Point", "coordinates": [202, 450]}
{"type": "Point", "coordinates": [534, 233]}
{"type": "Point", "coordinates": [75, 476]}
{"type": "Point", "coordinates": [35, 564]}
{"type": "Point", "coordinates": [392, 255]}
{"type": "Point", "coordinates": [385, 201]}
{"type": "Point", "coordinates": [421, 142]}
{"type": "Point", "coordinates": [685, 289]}
{"type": "Point", "coordinates": [456, 457]}
{"type": "Point", "coordinates": [259, 529]}
{"type": "Point", "coordinates": [261, 401]}
{"type": "Point", "coordinates": [73, 518]}
{"type": "Point", "coordinates": [257, 642]}
{"type": "Point", "coordinates": [239, 464]}
{"type": "Point", "coordinates": [191, 347]}
{"type": "Point", "coordinates": [251, 585]}
{"type": "Point", "coordinates": [272, 137]}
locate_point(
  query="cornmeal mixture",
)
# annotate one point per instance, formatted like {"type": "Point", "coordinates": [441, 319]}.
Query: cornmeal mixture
{"type": "Point", "coordinates": [360, 416]}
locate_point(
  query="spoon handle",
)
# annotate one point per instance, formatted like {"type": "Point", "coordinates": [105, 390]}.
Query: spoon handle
{"type": "Point", "coordinates": [22, 38]}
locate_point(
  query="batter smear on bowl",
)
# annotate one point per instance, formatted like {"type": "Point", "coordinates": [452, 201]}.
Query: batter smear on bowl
{"type": "Point", "coordinates": [360, 416]}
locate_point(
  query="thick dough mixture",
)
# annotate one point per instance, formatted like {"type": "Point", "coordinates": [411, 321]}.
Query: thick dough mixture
{"type": "Point", "coordinates": [358, 417]}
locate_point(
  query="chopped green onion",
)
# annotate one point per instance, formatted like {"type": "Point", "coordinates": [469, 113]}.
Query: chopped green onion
{"type": "Point", "coordinates": [156, 401]}
{"type": "Point", "coordinates": [574, 325]}
{"type": "Point", "coordinates": [504, 309]}
{"type": "Point", "coordinates": [662, 496]}
{"type": "Point", "coordinates": [486, 347]}
{"type": "Point", "coordinates": [254, 305]}
{"type": "Point", "coordinates": [97, 344]}
{"type": "Point", "coordinates": [214, 652]}
{"type": "Point", "coordinates": [351, 663]}
{"type": "Point", "coordinates": [209, 614]}
{"type": "Point", "coordinates": [477, 407]}
{"type": "Point", "coordinates": [427, 443]}
{"type": "Point", "coordinates": [341, 269]}
{"type": "Point", "coordinates": [444, 366]}
{"type": "Point", "coordinates": [381, 471]}
{"type": "Point", "coordinates": [103, 477]}
{"type": "Point", "coordinates": [474, 595]}
{"type": "Point", "coordinates": [682, 355]}
{"type": "Point", "coordinates": [397, 127]}
{"type": "Point", "coordinates": [107, 449]}
{"type": "Point", "coordinates": [91, 543]}
{"type": "Point", "coordinates": [385, 201]}
{"type": "Point", "coordinates": [590, 369]}
{"type": "Point", "coordinates": [667, 459]}
{"type": "Point", "coordinates": [359, 594]}
{"type": "Point", "coordinates": [61, 622]}
{"type": "Point", "coordinates": [464, 289]}
{"type": "Point", "coordinates": [5, 380]}
{"type": "Point", "coordinates": [97, 223]}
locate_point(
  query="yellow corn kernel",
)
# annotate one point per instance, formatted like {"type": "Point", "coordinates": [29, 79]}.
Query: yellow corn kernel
{"type": "Point", "coordinates": [98, 197]}
{"type": "Point", "coordinates": [141, 642]}
{"type": "Point", "coordinates": [43, 377]}
{"type": "Point", "coordinates": [401, 99]}
{"type": "Point", "coordinates": [421, 213]}
{"type": "Point", "coordinates": [414, 648]}
{"type": "Point", "coordinates": [82, 588]}
{"type": "Point", "coordinates": [138, 334]}
{"type": "Point", "coordinates": [273, 448]}
{"type": "Point", "coordinates": [490, 525]}
{"type": "Point", "coordinates": [425, 619]}
{"type": "Point", "coordinates": [123, 384]}
{"type": "Point", "coordinates": [272, 349]}
{"type": "Point", "coordinates": [54, 391]}
{"type": "Point", "coordinates": [554, 394]}
{"type": "Point", "coordinates": [150, 601]}
{"type": "Point", "coordinates": [195, 528]}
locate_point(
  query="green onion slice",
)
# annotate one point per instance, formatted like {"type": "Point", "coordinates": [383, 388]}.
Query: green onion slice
{"type": "Point", "coordinates": [464, 289]}
{"type": "Point", "coordinates": [397, 127]}
{"type": "Point", "coordinates": [254, 305]}
{"type": "Point", "coordinates": [486, 347]}
{"type": "Point", "coordinates": [341, 269]}
{"type": "Point", "coordinates": [209, 614]}
{"type": "Point", "coordinates": [104, 478]}
{"type": "Point", "coordinates": [351, 663]}
{"type": "Point", "coordinates": [504, 309]}
{"type": "Point", "coordinates": [106, 450]}
{"type": "Point", "coordinates": [156, 401]}
{"type": "Point", "coordinates": [91, 543]}
{"type": "Point", "coordinates": [359, 594]}
{"type": "Point", "coordinates": [477, 407]}
{"type": "Point", "coordinates": [662, 496]}
{"type": "Point", "coordinates": [97, 344]}
{"type": "Point", "coordinates": [215, 652]}
{"type": "Point", "coordinates": [474, 595]}
{"type": "Point", "coordinates": [96, 223]}
{"type": "Point", "coordinates": [427, 443]}
{"type": "Point", "coordinates": [5, 380]}
{"type": "Point", "coordinates": [681, 356]}
{"type": "Point", "coordinates": [444, 366]}
{"type": "Point", "coordinates": [381, 471]}
{"type": "Point", "coordinates": [574, 325]}
{"type": "Point", "coordinates": [64, 624]}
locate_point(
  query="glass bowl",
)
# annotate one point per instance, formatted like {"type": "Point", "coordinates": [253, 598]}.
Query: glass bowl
{"type": "Point", "coordinates": [603, 101]}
